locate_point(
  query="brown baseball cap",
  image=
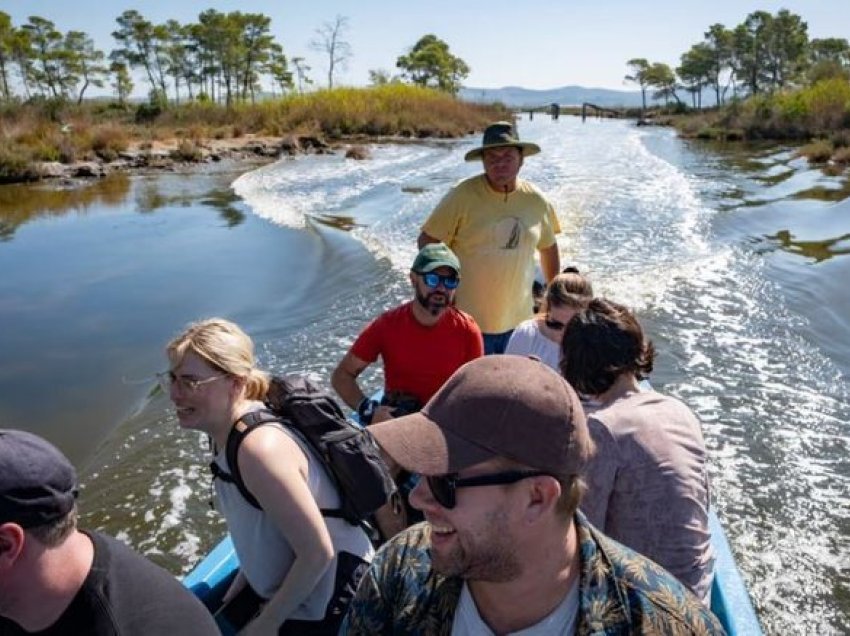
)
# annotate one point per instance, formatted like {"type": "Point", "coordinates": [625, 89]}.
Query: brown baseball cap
{"type": "Point", "coordinates": [496, 406]}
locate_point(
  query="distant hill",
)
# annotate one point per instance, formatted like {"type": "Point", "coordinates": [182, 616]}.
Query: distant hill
{"type": "Point", "coordinates": [518, 97]}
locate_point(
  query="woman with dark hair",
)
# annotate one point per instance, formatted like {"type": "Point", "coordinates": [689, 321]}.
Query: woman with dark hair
{"type": "Point", "coordinates": [540, 336]}
{"type": "Point", "coordinates": [647, 483]}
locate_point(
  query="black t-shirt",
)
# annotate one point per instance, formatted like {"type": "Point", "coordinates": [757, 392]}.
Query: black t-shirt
{"type": "Point", "coordinates": [125, 594]}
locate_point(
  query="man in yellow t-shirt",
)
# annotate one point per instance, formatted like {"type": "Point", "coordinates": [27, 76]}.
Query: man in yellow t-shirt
{"type": "Point", "coordinates": [494, 222]}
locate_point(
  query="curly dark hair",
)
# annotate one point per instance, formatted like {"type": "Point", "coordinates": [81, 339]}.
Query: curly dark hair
{"type": "Point", "coordinates": [601, 342]}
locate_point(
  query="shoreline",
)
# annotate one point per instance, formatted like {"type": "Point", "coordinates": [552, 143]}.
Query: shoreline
{"type": "Point", "coordinates": [180, 155]}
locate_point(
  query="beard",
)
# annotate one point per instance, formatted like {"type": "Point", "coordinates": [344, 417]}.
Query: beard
{"type": "Point", "coordinates": [434, 303]}
{"type": "Point", "coordinates": [484, 555]}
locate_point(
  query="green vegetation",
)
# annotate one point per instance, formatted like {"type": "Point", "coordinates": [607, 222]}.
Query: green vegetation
{"type": "Point", "coordinates": [769, 82]}
{"type": "Point", "coordinates": [430, 63]}
{"type": "Point", "coordinates": [207, 80]}
{"type": "Point", "coordinates": [55, 130]}
{"type": "Point", "coordinates": [762, 55]}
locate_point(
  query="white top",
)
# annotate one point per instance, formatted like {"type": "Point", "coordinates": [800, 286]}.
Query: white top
{"type": "Point", "coordinates": [562, 620]}
{"type": "Point", "coordinates": [528, 340]}
{"type": "Point", "coordinates": [264, 554]}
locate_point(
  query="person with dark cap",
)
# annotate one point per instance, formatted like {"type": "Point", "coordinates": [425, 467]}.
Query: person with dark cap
{"type": "Point", "coordinates": [495, 222]}
{"type": "Point", "coordinates": [421, 343]}
{"type": "Point", "coordinates": [504, 548]}
{"type": "Point", "coordinates": [56, 579]}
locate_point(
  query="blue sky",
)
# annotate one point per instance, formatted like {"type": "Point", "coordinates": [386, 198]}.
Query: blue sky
{"type": "Point", "coordinates": [532, 43]}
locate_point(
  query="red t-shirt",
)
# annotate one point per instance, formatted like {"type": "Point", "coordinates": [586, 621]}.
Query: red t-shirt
{"type": "Point", "coordinates": [419, 359]}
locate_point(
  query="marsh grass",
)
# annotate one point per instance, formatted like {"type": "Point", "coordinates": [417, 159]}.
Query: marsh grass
{"type": "Point", "coordinates": [821, 110]}
{"type": "Point", "coordinates": [58, 131]}
{"type": "Point", "coordinates": [818, 151]}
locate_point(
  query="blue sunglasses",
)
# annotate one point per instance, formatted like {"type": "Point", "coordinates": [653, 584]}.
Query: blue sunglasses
{"type": "Point", "coordinates": [433, 280]}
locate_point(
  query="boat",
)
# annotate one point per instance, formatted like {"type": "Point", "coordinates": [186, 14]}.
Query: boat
{"type": "Point", "coordinates": [730, 600]}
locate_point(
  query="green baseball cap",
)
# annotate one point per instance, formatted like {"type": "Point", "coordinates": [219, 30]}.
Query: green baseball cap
{"type": "Point", "coordinates": [435, 255]}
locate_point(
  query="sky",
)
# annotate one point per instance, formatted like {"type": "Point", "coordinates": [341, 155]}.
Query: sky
{"type": "Point", "coordinates": [536, 44]}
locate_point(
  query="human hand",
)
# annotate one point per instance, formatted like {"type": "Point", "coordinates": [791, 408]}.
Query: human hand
{"type": "Point", "coordinates": [382, 414]}
{"type": "Point", "coordinates": [262, 625]}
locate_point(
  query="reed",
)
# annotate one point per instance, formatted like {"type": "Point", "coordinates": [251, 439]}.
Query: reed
{"type": "Point", "coordinates": [51, 130]}
{"type": "Point", "coordinates": [819, 110]}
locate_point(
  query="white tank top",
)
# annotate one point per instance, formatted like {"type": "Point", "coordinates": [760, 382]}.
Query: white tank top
{"type": "Point", "coordinates": [264, 554]}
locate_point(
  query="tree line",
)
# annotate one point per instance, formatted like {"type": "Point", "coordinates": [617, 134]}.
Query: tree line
{"type": "Point", "coordinates": [223, 57]}
{"type": "Point", "coordinates": [763, 54]}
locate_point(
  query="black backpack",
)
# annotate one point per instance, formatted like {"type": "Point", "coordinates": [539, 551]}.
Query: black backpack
{"type": "Point", "coordinates": [348, 452]}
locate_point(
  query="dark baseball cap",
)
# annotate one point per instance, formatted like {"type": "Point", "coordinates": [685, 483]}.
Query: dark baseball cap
{"type": "Point", "coordinates": [38, 484]}
{"type": "Point", "coordinates": [496, 406]}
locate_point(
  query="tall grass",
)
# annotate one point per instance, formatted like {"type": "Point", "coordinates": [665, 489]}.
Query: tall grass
{"type": "Point", "coordinates": [59, 131]}
{"type": "Point", "coordinates": [816, 111]}
{"type": "Point", "coordinates": [393, 109]}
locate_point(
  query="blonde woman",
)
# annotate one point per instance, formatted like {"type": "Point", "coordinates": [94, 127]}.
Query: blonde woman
{"type": "Point", "coordinates": [565, 296]}
{"type": "Point", "coordinates": [296, 566]}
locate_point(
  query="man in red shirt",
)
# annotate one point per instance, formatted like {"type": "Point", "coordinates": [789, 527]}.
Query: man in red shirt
{"type": "Point", "coordinates": [421, 343]}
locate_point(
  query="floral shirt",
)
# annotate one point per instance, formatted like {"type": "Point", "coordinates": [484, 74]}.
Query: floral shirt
{"type": "Point", "coordinates": [621, 592]}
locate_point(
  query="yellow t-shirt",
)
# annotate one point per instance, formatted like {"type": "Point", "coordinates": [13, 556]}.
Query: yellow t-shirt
{"type": "Point", "coordinates": [495, 237]}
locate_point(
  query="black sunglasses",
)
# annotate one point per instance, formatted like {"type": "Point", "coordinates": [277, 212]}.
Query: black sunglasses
{"type": "Point", "coordinates": [557, 325]}
{"type": "Point", "coordinates": [444, 487]}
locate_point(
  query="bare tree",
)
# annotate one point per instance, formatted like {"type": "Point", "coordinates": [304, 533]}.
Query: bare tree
{"type": "Point", "coordinates": [330, 40]}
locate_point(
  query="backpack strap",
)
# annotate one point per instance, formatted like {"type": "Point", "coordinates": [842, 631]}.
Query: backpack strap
{"type": "Point", "coordinates": [244, 425]}
{"type": "Point", "coordinates": [240, 429]}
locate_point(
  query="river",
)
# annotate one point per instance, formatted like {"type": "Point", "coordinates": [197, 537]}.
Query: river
{"type": "Point", "coordinates": [736, 260]}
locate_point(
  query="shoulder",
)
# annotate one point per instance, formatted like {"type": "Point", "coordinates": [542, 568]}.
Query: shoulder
{"type": "Point", "coordinates": [144, 598]}
{"type": "Point", "coordinates": [462, 319]}
{"type": "Point", "coordinates": [401, 589]}
{"type": "Point", "coordinates": [527, 327]}
{"type": "Point", "coordinates": [395, 314]}
{"type": "Point", "coordinates": [526, 187]}
{"type": "Point", "coordinates": [269, 446]}
{"type": "Point", "coordinates": [652, 596]}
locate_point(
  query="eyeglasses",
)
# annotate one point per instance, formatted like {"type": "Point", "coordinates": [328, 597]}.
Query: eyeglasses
{"type": "Point", "coordinates": [167, 379]}
{"type": "Point", "coordinates": [557, 325]}
{"type": "Point", "coordinates": [433, 280]}
{"type": "Point", "coordinates": [444, 487]}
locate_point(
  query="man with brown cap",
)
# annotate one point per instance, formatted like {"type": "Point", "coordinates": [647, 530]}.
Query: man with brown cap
{"type": "Point", "coordinates": [56, 579]}
{"type": "Point", "coordinates": [504, 548]}
{"type": "Point", "coordinates": [495, 222]}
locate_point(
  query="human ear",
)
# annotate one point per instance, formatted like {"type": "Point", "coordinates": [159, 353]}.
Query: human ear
{"type": "Point", "coordinates": [11, 544]}
{"type": "Point", "coordinates": [543, 495]}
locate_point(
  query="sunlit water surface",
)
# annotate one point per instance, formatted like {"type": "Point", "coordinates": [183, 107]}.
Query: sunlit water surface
{"type": "Point", "coordinates": [736, 260]}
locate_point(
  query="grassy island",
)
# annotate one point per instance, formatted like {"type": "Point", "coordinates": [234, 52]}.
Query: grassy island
{"type": "Point", "coordinates": [37, 135]}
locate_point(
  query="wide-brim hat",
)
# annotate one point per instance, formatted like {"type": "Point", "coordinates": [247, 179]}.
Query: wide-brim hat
{"type": "Point", "coordinates": [501, 134]}
{"type": "Point", "coordinates": [506, 406]}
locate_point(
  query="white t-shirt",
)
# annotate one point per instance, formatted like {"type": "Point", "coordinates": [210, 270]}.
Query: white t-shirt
{"type": "Point", "coordinates": [528, 340]}
{"type": "Point", "coordinates": [562, 621]}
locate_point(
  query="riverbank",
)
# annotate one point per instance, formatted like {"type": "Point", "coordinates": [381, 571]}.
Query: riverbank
{"type": "Point", "coordinates": [816, 116]}
{"type": "Point", "coordinates": [175, 154]}
{"type": "Point", "coordinates": [58, 140]}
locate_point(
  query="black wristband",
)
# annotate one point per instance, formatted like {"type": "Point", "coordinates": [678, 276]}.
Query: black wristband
{"type": "Point", "coordinates": [366, 410]}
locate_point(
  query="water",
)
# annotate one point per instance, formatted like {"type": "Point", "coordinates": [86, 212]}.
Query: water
{"type": "Point", "coordinates": [735, 259]}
